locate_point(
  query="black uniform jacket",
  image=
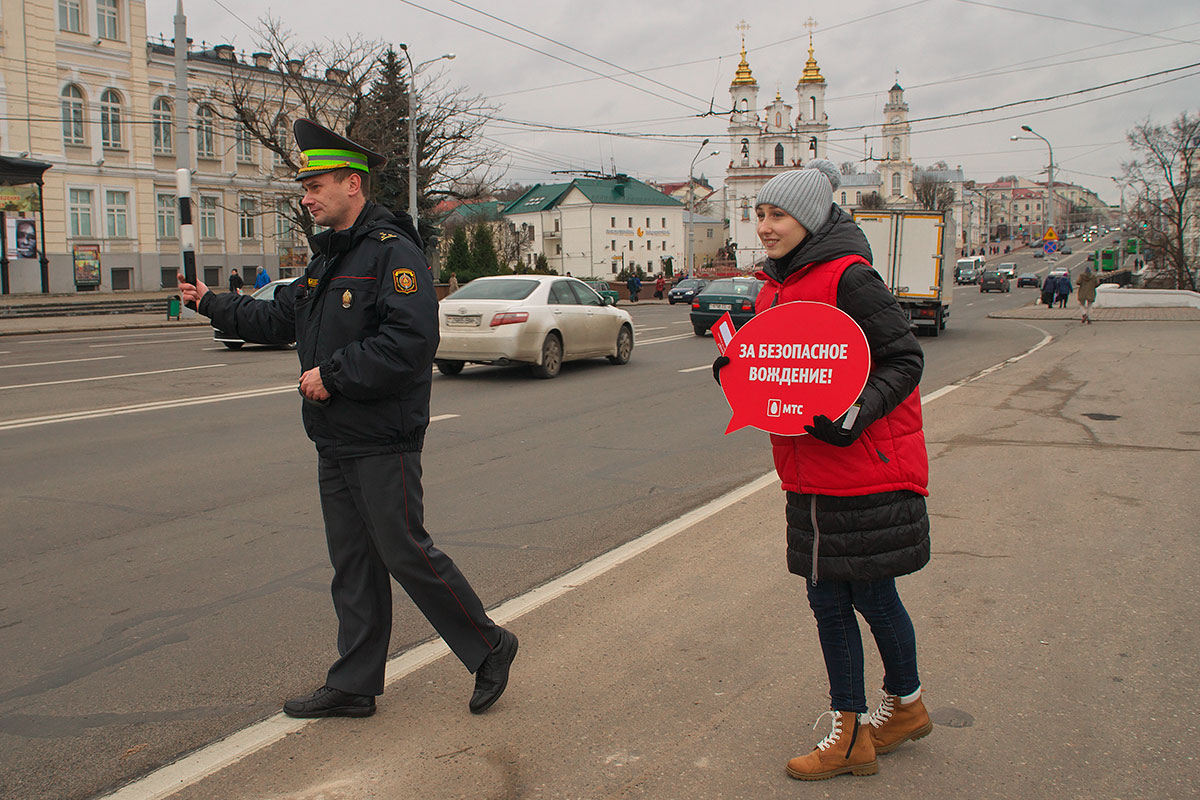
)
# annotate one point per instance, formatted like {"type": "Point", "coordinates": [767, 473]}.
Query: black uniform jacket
{"type": "Point", "coordinates": [365, 312]}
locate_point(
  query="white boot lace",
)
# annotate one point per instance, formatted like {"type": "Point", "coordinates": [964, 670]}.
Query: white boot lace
{"type": "Point", "coordinates": [834, 734]}
{"type": "Point", "coordinates": [884, 712]}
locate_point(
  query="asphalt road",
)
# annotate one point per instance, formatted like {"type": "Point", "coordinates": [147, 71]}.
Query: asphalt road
{"type": "Point", "coordinates": [166, 580]}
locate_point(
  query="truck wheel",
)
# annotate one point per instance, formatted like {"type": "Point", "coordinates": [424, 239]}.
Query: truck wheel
{"type": "Point", "coordinates": [938, 325]}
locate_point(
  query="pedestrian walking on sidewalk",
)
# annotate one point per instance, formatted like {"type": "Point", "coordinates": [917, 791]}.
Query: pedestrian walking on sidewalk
{"type": "Point", "coordinates": [660, 286]}
{"type": "Point", "coordinates": [235, 282]}
{"type": "Point", "coordinates": [1087, 293]}
{"type": "Point", "coordinates": [364, 319]}
{"type": "Point", "coordinates": [634, 285]}
{"type": "Point", "coordinates": [856, 486]}
{"type": "Point", "coordinates": [1062, 290]}
{"type": "Point", "coordinates": [261, 278]}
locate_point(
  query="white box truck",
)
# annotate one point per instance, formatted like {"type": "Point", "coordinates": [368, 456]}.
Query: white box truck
{"type": "Point", "coordinates": [909, 249]}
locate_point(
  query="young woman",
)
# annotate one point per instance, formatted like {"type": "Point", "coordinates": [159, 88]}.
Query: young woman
{"type": "Point", "coordinates": [856, 487]}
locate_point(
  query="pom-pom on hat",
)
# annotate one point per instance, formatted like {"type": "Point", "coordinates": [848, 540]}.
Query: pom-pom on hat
{"type": "Point", "coordinates": [806, 194]}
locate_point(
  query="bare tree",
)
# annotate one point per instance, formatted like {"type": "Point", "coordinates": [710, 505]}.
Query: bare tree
{"type": "Point", "coordinates": [933, 192]}
{"type": "Point", "coordinates": [872, 201]}
{"type": "Point", "coordinates": [1165, 177]}
{"type": "Point", "coordinates": [848, 168]}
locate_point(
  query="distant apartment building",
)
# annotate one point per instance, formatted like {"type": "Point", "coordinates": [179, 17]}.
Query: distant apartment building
{"type": "Point", "coordinates": [85, 90]}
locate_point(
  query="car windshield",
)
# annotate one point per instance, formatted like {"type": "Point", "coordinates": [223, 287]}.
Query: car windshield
{"type": "Point", "coordinates": [991, 274]}
{"type": "Point", "coordinates": [497, 289]}
{"type": "Point", "coordinates": [731, 287]}
{"type": "Point", "coordinates": [690, 283]}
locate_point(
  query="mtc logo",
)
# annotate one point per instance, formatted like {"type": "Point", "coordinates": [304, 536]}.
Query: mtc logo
{"type": "Point", "coordinates": [778, 408]}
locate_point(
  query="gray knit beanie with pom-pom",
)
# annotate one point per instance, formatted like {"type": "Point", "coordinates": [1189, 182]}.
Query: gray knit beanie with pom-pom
{"type": "Point", "coordinates": [806, 194]}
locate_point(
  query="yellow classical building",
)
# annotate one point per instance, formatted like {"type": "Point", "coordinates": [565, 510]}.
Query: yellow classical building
{"type": "Point", "coordinates": [83, 89]}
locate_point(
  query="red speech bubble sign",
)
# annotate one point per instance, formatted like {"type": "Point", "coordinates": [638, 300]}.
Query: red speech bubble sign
{"type": "Point", "coordinates": [791, 363]}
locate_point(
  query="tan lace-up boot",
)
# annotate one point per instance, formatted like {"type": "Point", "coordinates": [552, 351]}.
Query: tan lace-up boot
{"type": "Point", "coordinates": [893, 724]}
{"type": "Point", "coordinates": [847, 748]}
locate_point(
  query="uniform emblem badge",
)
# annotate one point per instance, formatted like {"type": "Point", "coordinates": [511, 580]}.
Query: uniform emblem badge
{"type": "Point", "coordinates": [384, 236]}
{"type": "Point", "coordinates": [303, 159]}
{"type": "Point", "coordinates": [312, 283]}
{"type": "Point", "coordinates": [346, 298]}
{"type": "Point", "coordinates": [405, 280]}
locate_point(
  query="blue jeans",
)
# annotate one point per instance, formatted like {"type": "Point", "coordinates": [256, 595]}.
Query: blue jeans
{"type": "Point", "coordinates": [833, 604]}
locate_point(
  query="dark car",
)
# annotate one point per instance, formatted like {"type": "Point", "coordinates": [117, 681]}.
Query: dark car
{"type": "Point", "coordinates": [735, 295]}
{"type": "Point", "coordinates": [1038, 254]}
{"type": "Point", "coordinates": [1028, 279]}
{"type": "Point", "coordinates": [265, 293]}
{"type": "Point", "coordinates": [1065, 250]}
{"type": "Point", "coordinates": [994, 279]}
{"type": "Point", "coordinates": [685, 290]}
{"type": "Point", "coordinates": [967, 276]}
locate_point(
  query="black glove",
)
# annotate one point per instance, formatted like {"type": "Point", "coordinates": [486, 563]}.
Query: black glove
{"type": "Point", "coordinates": [720, 363]}
{"type": "Point", "coordinates": [830, 432]}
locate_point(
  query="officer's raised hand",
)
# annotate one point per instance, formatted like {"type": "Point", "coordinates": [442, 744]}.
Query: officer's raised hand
{"type": "Point", "coordinates": [190, 293]}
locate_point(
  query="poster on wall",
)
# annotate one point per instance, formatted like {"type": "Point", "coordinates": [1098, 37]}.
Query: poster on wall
{"type": "Point", "coordinates": [22, 237]}
{"type": "Point", "coordinates": [87, 264]}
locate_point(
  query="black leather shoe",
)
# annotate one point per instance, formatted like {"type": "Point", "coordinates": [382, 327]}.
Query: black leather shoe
{"type": "Point", "coordinates": [330, 702]}
{"type": "Point", "coordinates": [492, 676]}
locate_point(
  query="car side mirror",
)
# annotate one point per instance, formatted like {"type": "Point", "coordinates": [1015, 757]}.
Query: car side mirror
{"type": "Point", "coordinates": [608, 301]}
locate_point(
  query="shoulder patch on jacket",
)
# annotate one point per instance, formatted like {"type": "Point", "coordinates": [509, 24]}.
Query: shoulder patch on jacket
{"type": "Point", "coordinates": [385, 235]}
{"type": "Point", "coordinates": [405, 280]}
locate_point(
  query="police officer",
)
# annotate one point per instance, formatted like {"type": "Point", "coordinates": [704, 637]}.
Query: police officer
{"type": "Point", "coordinates": [364, 319]}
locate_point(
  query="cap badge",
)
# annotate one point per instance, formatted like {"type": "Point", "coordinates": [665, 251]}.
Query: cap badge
{"type": "Point", "coordinates": [346, 298]}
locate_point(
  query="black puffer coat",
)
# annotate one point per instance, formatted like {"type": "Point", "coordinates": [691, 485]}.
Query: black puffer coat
{"type": "Point", "coordinates": [871, 536]}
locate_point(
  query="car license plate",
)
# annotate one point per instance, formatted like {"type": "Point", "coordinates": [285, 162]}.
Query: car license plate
{"type": "Point", "coordinates": [720, 306]}
{"type": "Point", "coordinates": [471, 321]}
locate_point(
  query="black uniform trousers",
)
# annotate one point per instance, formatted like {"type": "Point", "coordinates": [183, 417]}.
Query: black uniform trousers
{"type": "Point", "coordinates": [374, 525]}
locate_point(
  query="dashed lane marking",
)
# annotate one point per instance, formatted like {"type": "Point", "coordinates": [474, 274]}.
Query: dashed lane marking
{"type": "Point", "coordinates": [108, 377]}
{"type": "Point", "coordinates": [64, 361]}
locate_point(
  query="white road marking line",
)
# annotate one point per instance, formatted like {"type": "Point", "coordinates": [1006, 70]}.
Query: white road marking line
{"type": "Point", "coordinates": [64, 361]}
{"type": "Point", "coordinates": [102, 335]}
{"type": "Point", "coordinates": [643, 330]}
{"type": "Point", "coordinates": [5, 352]}
{"type": "Point", "coordinates": [667, 339]}
{"type": "Point", "coordinates": [696, 369]}
{"type": "Point", "coordinates": [109, 377]}
{"type": "Point", "coordinates": [441, 417]}
{"type": "Point", "coordinates": [215, 757]}
{"type": "Point", "coordinates": [682, 322]}
{"type": "Point", "coordinates": [30, 422]}
{"type": "Point", "coordinates": [164, 341]}
{"type": "Point", "coordinates": [945, 390]}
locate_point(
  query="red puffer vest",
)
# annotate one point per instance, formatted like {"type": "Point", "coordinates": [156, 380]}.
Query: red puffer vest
{"type": "Point", "coordinates": [889, 455]}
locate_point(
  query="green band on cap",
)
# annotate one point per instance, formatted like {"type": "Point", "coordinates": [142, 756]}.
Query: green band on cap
{"type": "Point", "coordinates": [324, 159]}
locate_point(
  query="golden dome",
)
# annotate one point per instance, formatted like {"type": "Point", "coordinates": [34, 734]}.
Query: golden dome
{"type": "Point", "coordinates": [812, 73]}
{"type": "Point", "coordinates": [743, 76]}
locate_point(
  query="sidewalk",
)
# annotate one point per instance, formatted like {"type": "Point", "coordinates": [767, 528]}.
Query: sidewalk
{"type": "Point", "coordinates": [1101, 313]}
{"type": "Point", "coordinates": [1057, 624]}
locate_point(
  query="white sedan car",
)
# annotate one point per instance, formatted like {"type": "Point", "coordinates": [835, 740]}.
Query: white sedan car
{"type": "Point", "coordinates": [542, 320]}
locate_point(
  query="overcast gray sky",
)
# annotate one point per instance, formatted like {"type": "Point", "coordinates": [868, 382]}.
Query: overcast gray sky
{"type": "Point", "coordinates": [952, 55]}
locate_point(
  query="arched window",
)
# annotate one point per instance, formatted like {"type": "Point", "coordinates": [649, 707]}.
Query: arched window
{"type": "Point", "coordinates": [206, 143]}
{"type": "Point", "coordinates": [896, 183]}
{"type": "Point", "coordinates": [843, 198]}
{"type": "Point", "coordinates": [896, 154]}
{"type": "Point", "coordinates": [744, 104]}
{"type": "Point", "coordinates": [281, 137]}
{"type": "Point", "coordinates": [110, 119]}
{"type": "Point", "coordinates": [813, 101]}
{"type": "Point", "coordinates": [779, 155]}
{"type": "Point", "coordinates": [778, 119]}
{"type": "Point", "coordinates": [745, 151]}
{"type": "Point", "coordinates": [72, 114]}
{"type": "Point", "coordinates": [163, 119]}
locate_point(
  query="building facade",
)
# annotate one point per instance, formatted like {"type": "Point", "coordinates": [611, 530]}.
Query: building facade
{"type": "Point", "coordinates": [600, 227]}
{"type": "Point", "coordinates": [82, 88]}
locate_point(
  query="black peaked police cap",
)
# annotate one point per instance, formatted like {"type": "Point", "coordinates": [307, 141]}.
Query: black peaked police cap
{"type": "Point", "coordinates": [322, 150]}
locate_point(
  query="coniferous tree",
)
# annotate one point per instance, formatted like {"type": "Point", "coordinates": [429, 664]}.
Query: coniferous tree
{"type": "Point", "coordinates": [458, 260]}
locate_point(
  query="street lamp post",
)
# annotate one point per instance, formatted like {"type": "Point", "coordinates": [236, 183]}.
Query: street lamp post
{"type": "Point", "coordinates": [412, 128]}
{"type": "Point", "coordinates": [1050, 171]}
{"type": "Point", "coordinates": [689, 246]}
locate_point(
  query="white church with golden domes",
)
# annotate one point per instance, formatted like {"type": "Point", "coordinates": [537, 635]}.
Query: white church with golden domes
{"type": "Point", "coordinates": [782, 137]}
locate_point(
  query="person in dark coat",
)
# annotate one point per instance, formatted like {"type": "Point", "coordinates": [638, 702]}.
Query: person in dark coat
{"type": "Point", "coordinates": [1062, 290]}
{"type": "Point", "coordinates": [856, 486]}
{"type": "Point", "coordinates": [235, 282]}
{"type": "Point", "coordinates": [364, 319]}
{"type": "Point", "coordinates": [634, 285]}
{"type": "Point", "coordinates": [1049, 287]}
